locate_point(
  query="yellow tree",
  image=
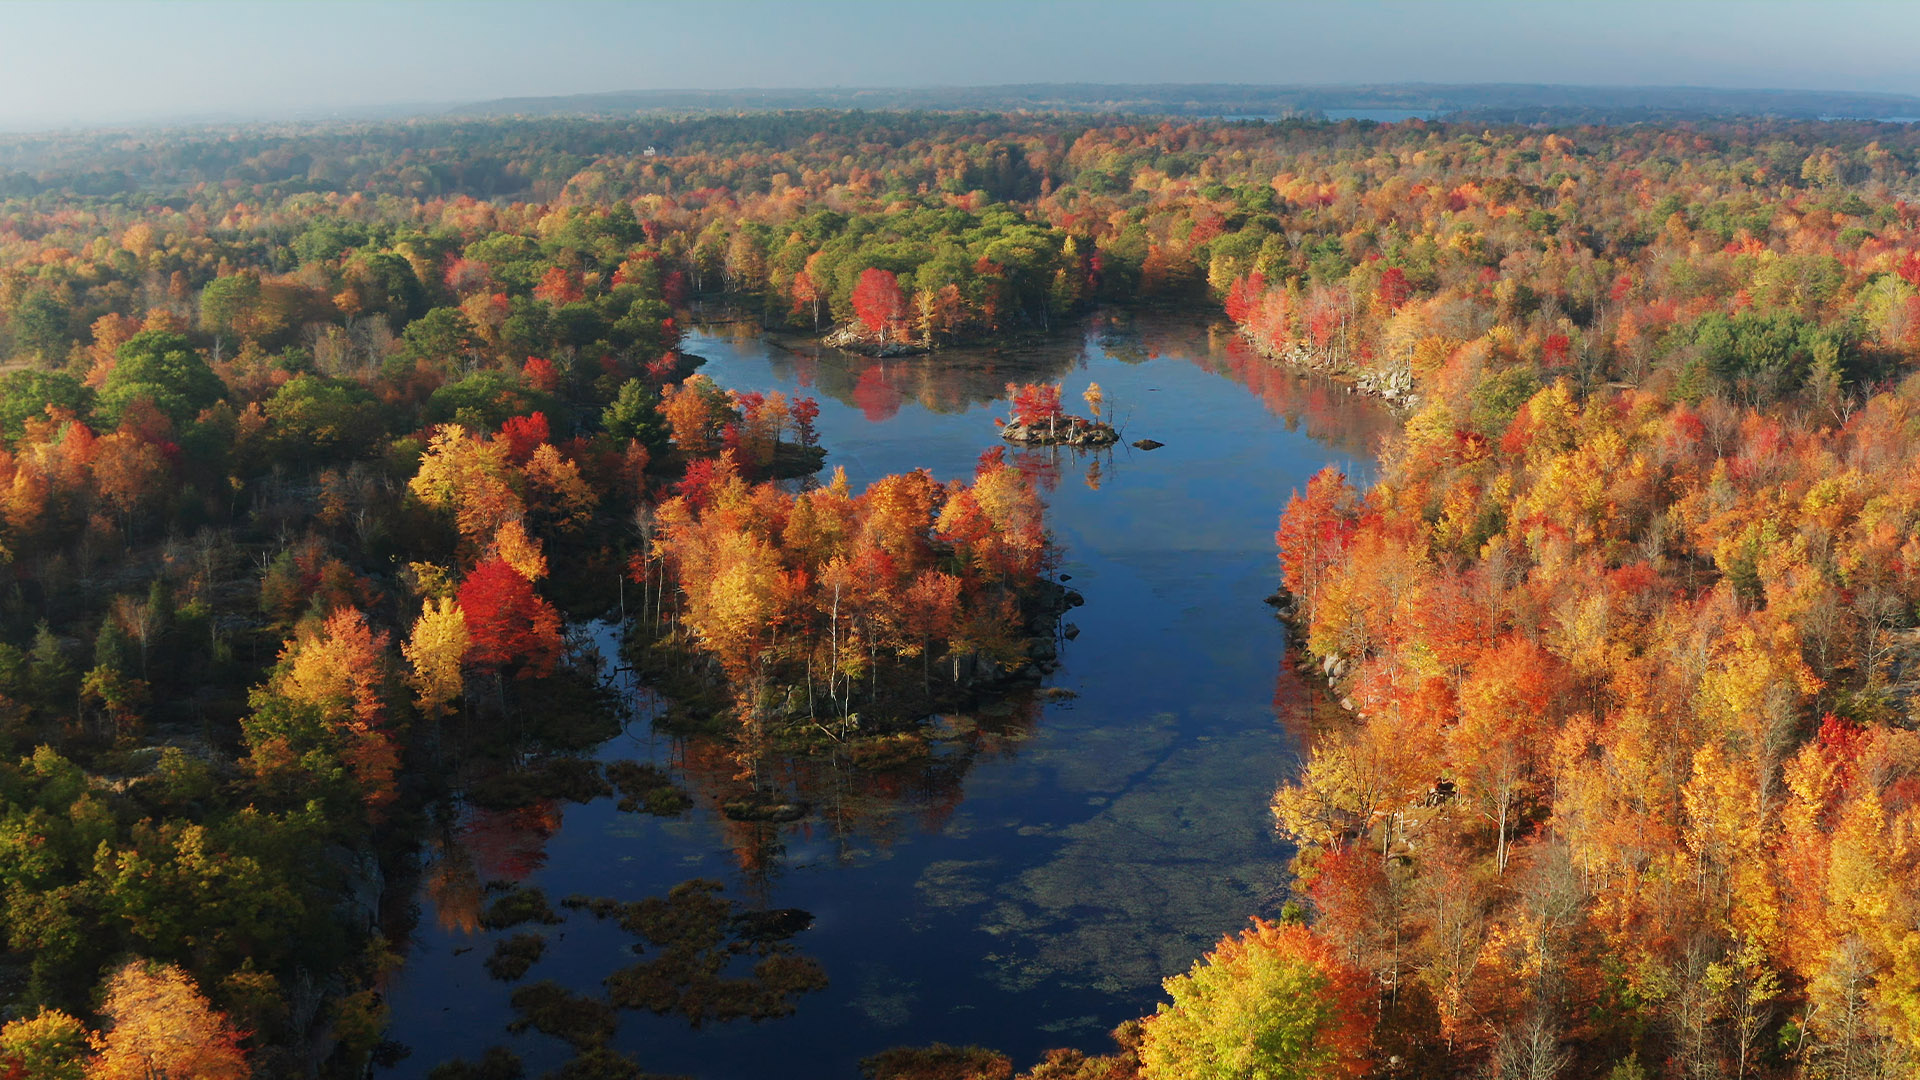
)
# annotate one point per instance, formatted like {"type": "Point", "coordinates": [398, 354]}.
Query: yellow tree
{"type": "Point", "coordinates": [434, 650]}
{"type": "Point", "coordinates": [1095, 399]}
{"type": "Point", "coordinates": [520, 551]}
{"type": "Point", "coordinates": [49, 1046]}
{"type": "Point", "coordinates": [343, 671]}
{"type": "Point", "coordinates": [161, 1028]}
{"type": "Point", "coordinates": [471, 476]}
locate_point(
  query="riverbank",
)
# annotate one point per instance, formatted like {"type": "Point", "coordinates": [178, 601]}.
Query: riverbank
{"type": "Point", "coordinates": [1395, 388]}
{"type": "Point", "coordinates": [1028, 878]}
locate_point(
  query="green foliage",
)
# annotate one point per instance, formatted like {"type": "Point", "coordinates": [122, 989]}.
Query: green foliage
{"type": "Point", "coordinates": [552, 1009]}
{"type": "Point", "coordinates": [1766, 355]}
{"type": "Point", "coordinates": [317, 419]}
{"type": "Point", "coordinates": [164, 369]}
{"type": "Point", "coordinates": [443, 338]}
{"type": "Point", "coordinates": [27, 395]}
{"type": "Point", "coordinates": [1260, 1006]}
{"type": "Point", "coordinates": [40, 327]}
{"type": "Point", "coordinates": [1498, 397]}
{"type": "Point", "coordinates": [48, 1046]}
{"type": "Point", "coordinates": [635, 414]}
{"type": "Point", "coordinates": [514, 955]}
{"type": "Point", "coordinates": [486, 399]}
{"type": "Point", "coordinates": [522, 905]}
{"type": "Point", "coordinates": [1628, 1068]}
{"type": "Point", "coordinates": [227, 301]}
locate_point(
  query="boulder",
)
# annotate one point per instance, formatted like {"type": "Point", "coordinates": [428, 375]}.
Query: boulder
{"type": "Point", "coordinates": [1148, 444]}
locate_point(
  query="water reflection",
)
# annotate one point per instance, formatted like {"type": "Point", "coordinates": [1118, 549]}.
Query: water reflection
{"type": "Point", "coordinates": [856, 809]}
{"type": "Point", "coordinates": [1023, 877]}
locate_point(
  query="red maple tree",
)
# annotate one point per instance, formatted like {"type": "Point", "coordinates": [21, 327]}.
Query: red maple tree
{"type": "Point", "coordinates": [878, 301]}
{"type": "Point", "coordinates": [509, 627]}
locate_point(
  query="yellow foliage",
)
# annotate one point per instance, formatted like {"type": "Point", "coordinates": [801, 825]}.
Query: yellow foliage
{"type": "Point", "coordinates": [161, 1028]}
{"type": "Point", "coordinates": [433, 650]}
{"type": "Point", "coordinates": [520, 551]}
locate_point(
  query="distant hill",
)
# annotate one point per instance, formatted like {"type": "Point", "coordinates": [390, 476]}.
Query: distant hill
{"type": "Point", "coordinates": [1493, 102]}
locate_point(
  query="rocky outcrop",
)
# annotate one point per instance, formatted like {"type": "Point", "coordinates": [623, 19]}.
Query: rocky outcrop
{"type": "Point", "coordinates": [1062, 431]}
{"type": "Point", "coordinates": [855, 338]}
{"type": "Point", "coordinates": [1393, 387]}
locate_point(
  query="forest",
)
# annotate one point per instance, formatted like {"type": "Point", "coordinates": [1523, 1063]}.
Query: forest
{"type": "Point", "coordinates": [321, 444]}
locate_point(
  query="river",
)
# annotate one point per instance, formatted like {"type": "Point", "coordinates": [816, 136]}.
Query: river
{"type": "Point", "coordinates": [1033, 891]}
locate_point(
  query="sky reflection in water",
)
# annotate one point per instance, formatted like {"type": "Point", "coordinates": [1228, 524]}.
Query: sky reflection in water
{"type": "Point", "coordinates": [1034, 887]}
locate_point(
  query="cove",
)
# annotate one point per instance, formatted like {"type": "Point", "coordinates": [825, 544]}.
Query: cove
{"type": "Point", "coordinates": [1032, 885]}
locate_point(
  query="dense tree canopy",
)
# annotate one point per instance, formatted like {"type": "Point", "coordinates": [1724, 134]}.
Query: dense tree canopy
{"type": "Point", "coordinates": [310, 433]}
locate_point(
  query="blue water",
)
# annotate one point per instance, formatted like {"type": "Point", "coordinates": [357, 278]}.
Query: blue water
{"type": "Point", "coordinates": [1382, 116]}
{"type": "Point", "coordinates": [1034, 890]}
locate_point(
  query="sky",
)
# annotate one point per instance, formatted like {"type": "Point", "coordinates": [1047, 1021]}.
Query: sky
{"type": "Point", "coordinates": [89, 62]}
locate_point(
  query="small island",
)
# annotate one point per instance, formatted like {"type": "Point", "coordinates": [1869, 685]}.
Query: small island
{"type": "Point", "coordinates": [1039, 421]}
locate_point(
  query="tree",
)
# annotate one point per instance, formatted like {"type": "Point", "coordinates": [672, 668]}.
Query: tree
{"type": "Point", "coordinates": [162, 1028]}
{"type": "Point", "coordinates": [342, 672]}
{"type": "Point", "coordinates": [1315, 529]}
{"type": "Point", "coordinates": [697, 411]}
{"type": "Point", "coordinates": [163, 368]}
{"type": "Point", "coordinates": [524, 434]}
{"type": "Point", "coordinates": [1272, 1003]}
{"type": "Point", "coordinates": [435, 650]}
{"type": "Point", "coordinates": [228, 303]}
{"type": "Point", "coordinates": [635, 414]}
{"type": "Point", "coordinates": [316, 419]}
{"type": "Point", "coordinates": [508, 625]}
{"type": "Point", "coordinates": [1034, 403]}
{"type": "Point", "coordinates": [473, 477]}
{"type": "Point", "coordinates": [47, 1046]}
{"type": "Point", "coordinates": [878, 302]}
{"type": "Point", "coordinates": [27, 395]}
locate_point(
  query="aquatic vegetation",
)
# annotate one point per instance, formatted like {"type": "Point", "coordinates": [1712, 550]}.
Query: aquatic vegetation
{"type": "Point", "coordinates": [514, 955]}
{"type": "Point", "coordinates": [521, 905]}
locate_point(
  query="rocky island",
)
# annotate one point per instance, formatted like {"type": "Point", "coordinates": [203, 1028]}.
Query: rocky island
{"type": "Point", "coordinates": [1039, 421]}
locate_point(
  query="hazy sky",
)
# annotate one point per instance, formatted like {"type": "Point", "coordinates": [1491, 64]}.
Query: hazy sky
{"type": "Point", "coordinates": [103, 62]}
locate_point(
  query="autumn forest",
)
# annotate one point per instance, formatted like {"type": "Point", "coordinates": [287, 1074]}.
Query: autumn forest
{"type": "Point", "coordinates": [365, 488]}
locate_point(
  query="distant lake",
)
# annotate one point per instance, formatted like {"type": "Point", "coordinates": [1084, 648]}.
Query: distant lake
{"type": "Point", "coordinates": [1378, 116]}
{"type": "Point", "coordinates": [1381, 116]}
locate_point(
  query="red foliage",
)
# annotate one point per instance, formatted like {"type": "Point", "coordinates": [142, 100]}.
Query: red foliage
{"type": "Point", "coordinates": [805, 411]}
{"type": "Point", "coordinates": [877, 398]}
{"type": "Point", "coordinates": [1243, 294]}
{"type": "Point", "coordinates": [1909, 267]}
{"type": "Point", "coordinates": [466, 276]}
{"type": "Point", "coordinates": [560, 286]}
{"type": "Point", "coordinates": [1314, 530]}
{"type": "Point", "coordinates": [705, 476]}
{"type": "Point", "coordinates": [541, 375]}
{"type": "Point", "coordinates": [673, 288]}
{"type": "Point", "coordinates": [1393, 289]}
{"type": "Point", "coordinates": [662, 368]}
{"type": "Point", "coordinates": [1841, 741]}
{"type": "Point", "coordinates": [878, 301]}
{"type": "Point", "coordinates": [508, 625]}
{"type": "Point", "coordinates": [524, 434]}
{"type": "Point", "coordinates": [1034, 403]}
